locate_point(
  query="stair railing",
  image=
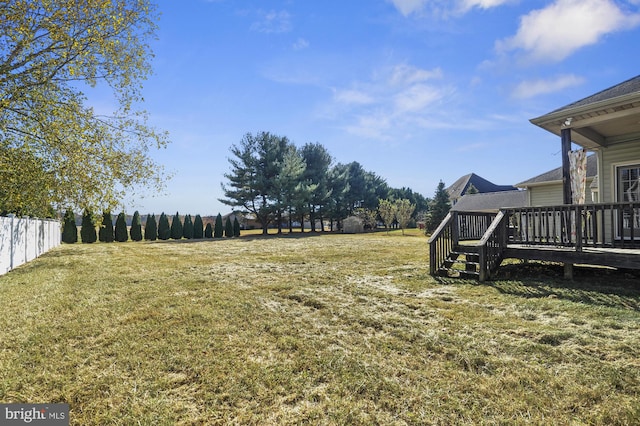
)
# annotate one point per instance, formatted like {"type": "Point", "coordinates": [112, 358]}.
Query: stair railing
{"type": "Point", "coordinates": [492, 246]}
{"type": "Point", "coordinates": [442, 242]}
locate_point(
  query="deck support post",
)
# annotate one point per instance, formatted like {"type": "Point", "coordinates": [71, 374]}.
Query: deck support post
{"type": "Point", "coordinates": [565, 135]}
{"type": "Point", "coordinates": [568, 271]}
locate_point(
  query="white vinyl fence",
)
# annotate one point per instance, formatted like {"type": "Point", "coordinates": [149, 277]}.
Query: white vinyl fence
{"type": "Point", "coordinates": [24, 239]}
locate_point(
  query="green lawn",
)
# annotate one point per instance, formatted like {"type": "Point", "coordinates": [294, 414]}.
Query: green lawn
{"type": "Point", "coordinates": [320, 329]}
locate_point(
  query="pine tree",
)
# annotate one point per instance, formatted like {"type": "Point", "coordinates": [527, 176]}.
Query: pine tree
{"type": "Point", "coordinates": [69, 230]}
{"type": "Point", "coordinates": [228, 228]}
{"type": "Point", "coordinates": [105, 233]}
{"type": "Point", "coordinates": [176, 227]}
{"type": "Point", "coordinates": [164, 230]}
{"type": "Point", "coordinates": [236, 227]}
{"type": "Point", "coordinates": [208, 231]}
{"type": "Point", "coordinates": [136, 227]}
{"type": "Point", "coordinates": [88, 228]}
{"type": "Point", "coordinates": [187, 229]}
{"type": "Point", "coordinates": [121, 228]}
{"type": "Point", "coordinates": [151, 228]}
{"type": "Point", "coordinates": [218, 230]}
{"type": "Point", "coordinates": [438, 208]}
{"type": "Point", "coordinates": [197, 227]}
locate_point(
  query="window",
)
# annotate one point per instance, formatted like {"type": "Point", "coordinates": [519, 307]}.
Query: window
{"type": "Point", "coordinates": [628, 184]}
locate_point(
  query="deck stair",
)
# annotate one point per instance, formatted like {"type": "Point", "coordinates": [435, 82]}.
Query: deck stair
{"type": "Point", "coordinates": [462, 262]}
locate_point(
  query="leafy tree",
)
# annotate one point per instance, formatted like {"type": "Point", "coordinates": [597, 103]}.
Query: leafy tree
{"type": "Point", "coordinates": [121, 228]}
{"type": "Point", "coordinates": [228, 228]}
{"type": "Point", "coordinates": [197, 227]}
{"type": "Point", "coordinates": [66, 153]}
{"type": "Point", "coordinates": [151, 228]}
{"type": "Point", "coordinates": [136, 227]}
{"type": "Point", "coordinates": [176, 227]}
{"type": "Point", "coordinates": [187, 229]}
{"type": "Point", "coordinates": [105, 233]}
{"type": "Point", "coordinates": [69, 229]}
{"type": "Point", "coordinates": [387, 210]}
{"type": "Point", "coordinates": [236, 227]}
{"type": "Point", "coordinates": [369, 217]}
{"type": "Point", "coordinates": [208, 231]}
{"type": "Point", "coordinates": [88, 227]}
{"type": "Point", "coordinates": [218, 229]}
{"type": "Point", "coordinates": [404, 210]}
{"type": "Point", "coordinates": [164, 230]}
{"type": "Point", "coordinates": [255, 165]}
{"type": "Point", "coordinates": [439, 207]}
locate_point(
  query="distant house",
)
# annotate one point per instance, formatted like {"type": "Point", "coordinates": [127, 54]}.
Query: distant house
{"type": "Point", "coordinates": [546, 189]}
{"type": "Point", "coordinates": [460, 187]}
{"type": "Point", "coordinates": [352, 225]}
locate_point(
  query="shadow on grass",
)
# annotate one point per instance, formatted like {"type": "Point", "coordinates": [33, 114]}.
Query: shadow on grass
{"type": "Point", "coordinates": [594, 286]}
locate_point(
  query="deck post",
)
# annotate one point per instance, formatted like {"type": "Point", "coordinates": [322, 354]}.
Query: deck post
{"type": "Point", "coordinates": [565, 135]}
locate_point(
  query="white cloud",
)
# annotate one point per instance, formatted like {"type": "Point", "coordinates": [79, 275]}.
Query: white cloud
{"type": "Point", "coordinates": [300, 44]}
{"type": "Point", "coordinates": [406, 74]}
{"type": "Point", "coordinates": [529, 89]}
{"type": "Point", "coordinates": [407, 7]}
{"type": "Point", "coordinates": [396, 99]}
{"type": "Point", "coordinates": [272, 22]}
{"type": "Point", "coordinates": [467, 5]}
{"type": "Point", "coordinates": [443, 7]}
{"type": "Point", "coordinates": [558, 30]}
{"type": "Point", "coordinates": [352, 96]}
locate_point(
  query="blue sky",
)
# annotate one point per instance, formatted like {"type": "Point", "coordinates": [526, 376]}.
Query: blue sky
{"type": "Point", "coordinates": [417, 91]}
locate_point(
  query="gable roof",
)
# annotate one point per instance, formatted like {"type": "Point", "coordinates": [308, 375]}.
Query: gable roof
{"type": "Point", "coordinates": [628, 87]}
{"type": "Point", "coordinates": [609, 116]}
{"type": "Point", "coordinates": [460, 187]}
{"type": "Point", "coordinates": [491, 201]}
{"type": "Point", "coordinates": [555, 175]}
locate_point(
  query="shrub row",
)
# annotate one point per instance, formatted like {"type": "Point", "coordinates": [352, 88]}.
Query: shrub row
{"type": "Point", "coordinates": [153, 230]}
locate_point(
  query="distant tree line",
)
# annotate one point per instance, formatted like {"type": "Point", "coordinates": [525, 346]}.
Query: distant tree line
{"type": "Point", "coordinates": [278, 182]}
{"type": "Point", "coordinates": [162, 229]}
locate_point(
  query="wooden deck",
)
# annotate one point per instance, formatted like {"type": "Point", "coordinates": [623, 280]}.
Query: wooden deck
{"type": "Point", "coordinates": [613, 257]}
{"type": "Point", "coordinates": [596, 234]}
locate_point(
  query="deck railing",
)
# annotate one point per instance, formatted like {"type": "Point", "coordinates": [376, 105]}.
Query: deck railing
{"type": "Point", "coordinates": [442, 242]}
{"type": "Point", "coordinates": [492, 245]}
{"type": "Point", "coordinates": [577, 226]}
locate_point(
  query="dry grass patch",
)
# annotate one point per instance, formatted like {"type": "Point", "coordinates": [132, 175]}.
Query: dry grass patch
{"type": "Point", "coordinates": [322, 329]}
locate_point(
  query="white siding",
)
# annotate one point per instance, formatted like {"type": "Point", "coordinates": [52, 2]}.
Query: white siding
{"type": "Point", "coordinates": [546, 195]}
{"type": "Point", "coordinates": [616, 155]}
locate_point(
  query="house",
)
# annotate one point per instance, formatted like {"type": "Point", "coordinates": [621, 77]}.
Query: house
{"type": "Point", "coordinates": [546, 189]}
{"type": "Point", "coordinates": [550, 227]}
{"type": "Point", "coordinates": [460, 187]}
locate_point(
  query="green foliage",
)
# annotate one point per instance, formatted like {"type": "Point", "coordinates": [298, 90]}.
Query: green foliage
{"type": "Point", "coordinates": [197, 227]}
{"type": "Point", "coordinates": [236, 227]}
{"type": "Point", "coordinates": [208, 231]}
{"type": "Point", "coordinates": [66, 153]}
{"type": "Point", "coordinates": [69, 228]}
{"type": "Point", "coordinates": [136, 227]}
{"type": "Point", "coordinates": [218, 229]}
{"type": "Point", "coordinates": [105, 233]}
{"type": "Point", "coordinates": [471, 190]}
{"type": "Point", "coordinates": [88, 227]}
{"type": "Point", "coordinates": [151, 228]}
{"type": "Point", "coordinates": [228, 228]}
{"type": "Point", "coordinates": [438, 208]}
{"type": "Point", "coordinates": [387, 210]}
{"type": "Point", "coordinates": [164, 230]}
{"type": "Point", "coordinates": [176, 227]}
{"type": "Point", "coordinates": [121, 228]}
{"type": "Point", "coordinates": [187, 229]}
{"type": "Point", "coordinates": [404, 210]}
